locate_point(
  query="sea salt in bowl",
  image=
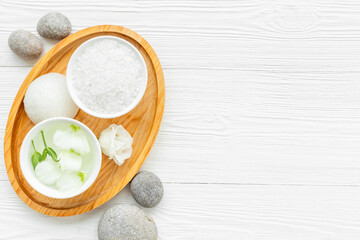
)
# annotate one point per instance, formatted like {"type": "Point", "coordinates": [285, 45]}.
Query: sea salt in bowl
{"type": "Point", "coordinates": [106, 77]}
{"type": "Point", "coordinates": [49, 126]}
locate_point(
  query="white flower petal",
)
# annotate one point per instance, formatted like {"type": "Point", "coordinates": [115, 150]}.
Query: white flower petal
{"type": "Point", "coordinates": [48, 171]}
{"type": "Point", "coordinates": [68, 182]}
{"type": "Point", "coordinates": [62, 138]}
{"type": "Point", "coordinates": [71, 139]}
{"type": "Point", "coordinates": [121, 156]}
{"type": "Point", "coordinates": [116, 143]}
{"type": "Point", "coordinates": [80, 143]}
{"type": "Point", "coordinates": [70, 161]}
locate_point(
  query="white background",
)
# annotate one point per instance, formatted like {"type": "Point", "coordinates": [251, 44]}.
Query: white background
{"type": "Point", "coordinates": [261, 131]}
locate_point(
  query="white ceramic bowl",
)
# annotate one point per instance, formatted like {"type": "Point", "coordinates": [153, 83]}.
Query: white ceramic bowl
{"type": "Point", "coordinates": [71, 89]}
{"type": "Point", "coordinates": [26, 152]}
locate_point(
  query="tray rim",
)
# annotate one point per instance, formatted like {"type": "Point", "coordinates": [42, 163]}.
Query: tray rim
{"type": "Point", "coordinates": [145, 151]}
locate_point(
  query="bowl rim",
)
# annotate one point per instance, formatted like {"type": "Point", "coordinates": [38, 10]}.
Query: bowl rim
{"type": "Point", "coordinates": [71, 89]}
{"type": "Point", "coordinates": [40, 187]}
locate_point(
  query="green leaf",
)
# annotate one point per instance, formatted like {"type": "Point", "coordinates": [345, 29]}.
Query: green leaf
{"type": "Point", "coordinates": [35, 159]}
{"type": "Point", "coordinates": [48, 150]}
{"type": "Point", "coordinates": [52, 154]}
{"type": "Point", "coordinates": [44, 155]}
{"type": "Point", "coordinates": [43, 138]}
{"type": "Point", "coordinates": [32, 142]}
{"type": "Point", "coordinates": [74, 127]}
{"type": "Point", "coordinates": [81, 175]}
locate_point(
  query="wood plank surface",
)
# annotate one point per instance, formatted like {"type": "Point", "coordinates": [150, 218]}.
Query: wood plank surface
{"type": "Point", "coordinates": [206, 211]}
{"type": "Point", "coordinates": [261, 130]}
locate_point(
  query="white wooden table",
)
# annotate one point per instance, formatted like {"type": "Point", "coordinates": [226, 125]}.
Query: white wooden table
{"type": "Point", "coordinates": [261, 131]}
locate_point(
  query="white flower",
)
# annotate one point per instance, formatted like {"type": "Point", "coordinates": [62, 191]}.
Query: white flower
{"type": "Point", "coordinates": [68, 182]}
{"type": "Point", "coordinates": [71, 138]}
{"type": "Point", "coordinates": [70, 161]}
{"type": "Point", "coordinates": [116, 143]}
{"type": "Point", "coordinates": [48, 171]}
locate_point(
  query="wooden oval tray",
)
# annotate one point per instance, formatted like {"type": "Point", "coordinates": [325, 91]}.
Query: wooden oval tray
{"type": "Point", "coordinates": [142, 122]}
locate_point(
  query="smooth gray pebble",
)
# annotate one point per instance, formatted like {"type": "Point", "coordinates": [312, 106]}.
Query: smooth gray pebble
{"type": "Point", "coordinates": [54, 25]}
{"type": "Point", "coordinates": [147, 189]}
{"type": "Point", "coordinates": [25, 44]}
{"type": "Point", "coordinates": [126, 222]}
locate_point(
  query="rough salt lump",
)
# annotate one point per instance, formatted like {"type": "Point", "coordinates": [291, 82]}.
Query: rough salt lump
{"type": "Point", "coordinates": [107, 76]}
{"type": "Point", "coordinates": [116, 143]}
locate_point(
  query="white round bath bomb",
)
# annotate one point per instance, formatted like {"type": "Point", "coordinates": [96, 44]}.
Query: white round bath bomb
{"type": "Point", "coordinates": [47, 97]}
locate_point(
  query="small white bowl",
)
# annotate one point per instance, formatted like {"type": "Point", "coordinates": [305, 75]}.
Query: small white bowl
{"type": "Point", "coordinates": [71, 89]}
{"type": "Point", "coordinates": [26, 152]}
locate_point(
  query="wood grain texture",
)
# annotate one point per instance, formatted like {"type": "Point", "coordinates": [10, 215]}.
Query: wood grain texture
{"type": "Point", "coordinates": [205, 211]}
{"type": "Point", "coordinates": [262, 108]}
{"type": "Point", "coordinates": [143, 123]}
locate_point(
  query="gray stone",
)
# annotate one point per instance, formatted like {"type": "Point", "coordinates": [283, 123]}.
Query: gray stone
{"type": "Point", "coordinates": [54, 25]}
{"type": "Point", "coordinates": [147, 189]}
{"type": "Point", "coordinates": [126, 222]}
{"type": "Point", "coordinates": [25, 44]}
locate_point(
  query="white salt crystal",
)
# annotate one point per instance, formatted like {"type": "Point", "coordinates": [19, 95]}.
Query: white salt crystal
{"type": "Point", "coordinates": [107, 76]}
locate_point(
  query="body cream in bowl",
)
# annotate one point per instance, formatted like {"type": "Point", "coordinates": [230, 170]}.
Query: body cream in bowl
{"type": "Point", "coordinates": [60, 157]}
{"type": "Point", "coordinates": [106, 76]}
